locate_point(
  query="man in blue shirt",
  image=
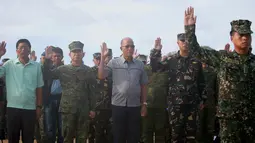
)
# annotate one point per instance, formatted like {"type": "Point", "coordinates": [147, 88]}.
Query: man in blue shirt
{"type": "Point", "coordinates": [24, 83]}
{"type": "Point", "coordinates": [51, 119]}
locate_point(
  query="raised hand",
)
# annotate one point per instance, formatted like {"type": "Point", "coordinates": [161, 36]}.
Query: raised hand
{"type": "Point", "coordinates": [33, 56]}
{"type": "Point", "coordinates": [48, 52]}
{"type": "Point", "coordinates": [2, 48]}
{"type": "Point", "coordinates": [227, 47]}
{"type": "Point", "coordinates": [158, 44]}
{"type": "Point", "coordinates": [104, 50]}
{"type": "Point", "coordinates": [163, 58]}
{"type": "Point", "coordinates": [135, 54]}
{"type": "Point", "coordinates": [189, 17]}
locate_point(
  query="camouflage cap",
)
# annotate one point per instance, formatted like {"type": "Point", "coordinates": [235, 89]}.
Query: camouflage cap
{"type": "Point", "coordinates": [142, 58]}
{"type": "Point", "coordinates": [76, 45]}
{"type": "Point", "coordinates": [241, 26]}
{"type": "Point", "coordinates": [110, 52]}
{"type": "Point", "coordinates": [97, 56]}
{"type": "Point", "coordinates": [181, 36]}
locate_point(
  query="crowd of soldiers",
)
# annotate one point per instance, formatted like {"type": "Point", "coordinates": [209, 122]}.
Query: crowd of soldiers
{"type": "Point", "coordinates": [193, 95]}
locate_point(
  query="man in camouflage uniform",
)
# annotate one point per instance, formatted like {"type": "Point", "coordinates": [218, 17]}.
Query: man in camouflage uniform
{"type": "Point", "coordinates": [207, 115]}
{"type": "Point", "coordinates": [155, 121]}
{"type": "Point", "coordinates": [103, 129]}
{"type": "Point", "coordinates": [78, 93]}
{"type": "Point", "coordinates": [186, 85]}
{"type": "Point", "coordinates": [91, 132]}
{"type": "Point", "coordinates": [236, 80]}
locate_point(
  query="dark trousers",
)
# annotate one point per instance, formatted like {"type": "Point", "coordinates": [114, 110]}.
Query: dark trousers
{"type": "Point", "coordinates": [154, 122]}
{"type": "Point", "coordinates": [126, 124]}
{"type": "Point", "coordinates": [103, 126]}
{"type": "Point", "coordinates": [3, 121]}
{"type": "Point", "coordinates": [20, 120]}
{"type": "Point", "coordinates": [53, 121]}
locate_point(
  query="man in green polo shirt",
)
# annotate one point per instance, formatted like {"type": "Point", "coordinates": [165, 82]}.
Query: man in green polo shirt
{"type": "Point", "coordinates": [24, 83]}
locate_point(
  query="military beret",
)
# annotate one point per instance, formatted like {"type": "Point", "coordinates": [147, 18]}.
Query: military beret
{"type": "Point", "coordinates": [97, 55]}
{"type": "Point", "coordinates": [241, 26]}
{"type": "Point", "coordinates": [110, 52]}
{"type": "Point", "coordinates": [76, 45]}
{"type": "Point", "coordinates": [142, 58]}
{"type": "Point", "coordinates": [181, 37]}
{"type": "Point", "coordinates": [43, 54]}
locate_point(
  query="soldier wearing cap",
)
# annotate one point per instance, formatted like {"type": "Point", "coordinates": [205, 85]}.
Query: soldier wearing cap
{"type": "Point", "coordinates": [78, 92]}
{"type": "Point", "coordinates": [236, 79]}
{"type": "Point", "coordinates": [103, 129]}
{"type": "Point", "coordinates": [142, 58]}
{"type": "Point", "coordinates": [42, 58]}
{"type": "Point", "coordinates": [109, 57]}
{"type": "Point", "coordinates": [186, 85]}
{"type": "Point", "coordinates": [155, 121]}
{"type": "Point", "coordinates": [91, 133]}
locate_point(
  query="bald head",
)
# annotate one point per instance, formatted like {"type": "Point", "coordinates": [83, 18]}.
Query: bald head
{"type": "Point", "coordinates": [127, 47]}
{"type": "Point", "coordinates": [126, 39]}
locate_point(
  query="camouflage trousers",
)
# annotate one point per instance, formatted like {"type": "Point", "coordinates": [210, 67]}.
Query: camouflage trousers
{"type": "Point", "coordinates": [103, 126]}
{"type": "Point", "coordinates": [207, 124]}
{"type": "Point", "coordinates": [184, 123]}
{"type": "Point", "coordinates": [91, 131]}
{"type": "Point", "coordinates": [233, 131]}
{"type": "Point", "coordinates": [154, 123]}
{"type": "Point", "coordinates": [75, 125]}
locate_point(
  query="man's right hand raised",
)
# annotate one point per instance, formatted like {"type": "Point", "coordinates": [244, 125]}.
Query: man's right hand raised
{"type": "Point", "coordinates": [158, 45]}
{"type": "Point", "coordinates": [104, 51]}
{"type": "Point", "coordinates": [2, 48]}
{"type": "Point", "coordinates": [227, 48]}
{"type": "Point", "coordinates": [189, 17]}
{"type": "Point", "coordinates": [48, 52]}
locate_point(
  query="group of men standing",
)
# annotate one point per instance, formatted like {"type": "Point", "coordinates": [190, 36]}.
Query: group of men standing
{"type": "Point", "coordinates": [171, 99]}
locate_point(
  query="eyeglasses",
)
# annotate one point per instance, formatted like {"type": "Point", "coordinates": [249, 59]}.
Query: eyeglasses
{"type": "Point", "coordinates": [129, 46]}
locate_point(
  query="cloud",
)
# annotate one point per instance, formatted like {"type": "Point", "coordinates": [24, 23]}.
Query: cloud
{"type": "Point", "coordinates": [59, 22]}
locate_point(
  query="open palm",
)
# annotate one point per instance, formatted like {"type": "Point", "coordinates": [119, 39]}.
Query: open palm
{"type": "Point", "coordinates": [2, 48]}
{"type": "Point", "coordinates": [104, 50]}
{"type": "Point", "coordinates": [189, 17]}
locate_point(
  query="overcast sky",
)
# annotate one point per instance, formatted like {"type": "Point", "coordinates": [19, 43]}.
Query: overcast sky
{"type": "Point", "coordinates": [59, 22]}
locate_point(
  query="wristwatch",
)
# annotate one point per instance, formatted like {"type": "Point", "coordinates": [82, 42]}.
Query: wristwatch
{"type": "Point", "coordinates": [145, 103]}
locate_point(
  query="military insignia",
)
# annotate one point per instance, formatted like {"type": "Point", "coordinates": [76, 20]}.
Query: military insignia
{"type": "Point", "coordinates": [98, 81]}
{"type": "Point", "coordinates": [187, 77]}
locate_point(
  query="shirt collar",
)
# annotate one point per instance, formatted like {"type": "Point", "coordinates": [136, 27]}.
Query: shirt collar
{"type": "Point", "coordinates": [17, 61]}
{"type": "Point", "coordinates": [179, 56]}
{"type": "Point", "coordinates": [124, 60]}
